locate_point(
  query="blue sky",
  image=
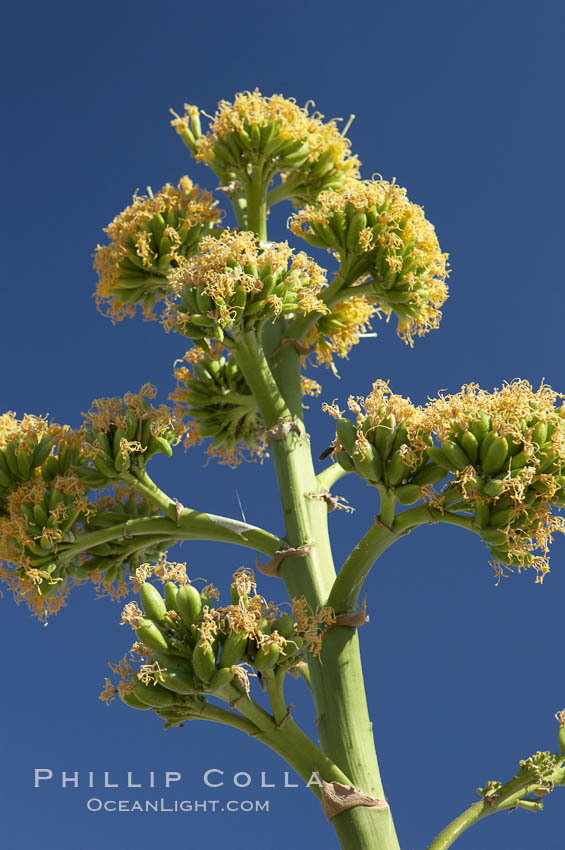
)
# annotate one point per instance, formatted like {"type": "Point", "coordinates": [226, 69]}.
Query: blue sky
{"type": "Point", "coordinates": [461, 103]}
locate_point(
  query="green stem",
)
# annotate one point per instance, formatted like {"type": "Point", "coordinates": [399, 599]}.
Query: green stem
{"type": "Point", "coordinates": [302, 754]}
{"type": "Point", "coordinates": [221, 715]}
{"type": "Point", "coordinates": [146, 487]}
{"type": "Point", "coordinates": [329, 476]}
{"type": "Point", "coordinates": [344, 727]}
{"type": "Point", "coordinates": [287, 739]}
{"type": "Point", "coordinates": [344, 596]}
{"type": "Point", "coordinates": [275, 690]}
{"type": "Point", "coordinates": [425, 515]}
{"type": "Point", "coordinates": [251, 359]}
{"type": "Point", "coordinates": [239, 204]}
{"type": "Point", "coordinates": [301, 669]}
{"type": "Point", "coordinates": [346, 735]}
{"type": "Point", "coordinates": [507, 797]}
{"type": "Point", "coordinates": [279, 193]}
{"type": "Point", "coordinates": [457, 827]}
{"type": "Point", "coordinates": [192, 525]}
{"type": "Point", "coordinates": [257, 204]}
{"type": "Point", "coordinates": [305, 518]}
{"type": "Point", "coordinates": [350, 291]}
{"type": "Point", "coordinates": [387, 507]}
{"type": "Point", "coordinates": [345, 592]}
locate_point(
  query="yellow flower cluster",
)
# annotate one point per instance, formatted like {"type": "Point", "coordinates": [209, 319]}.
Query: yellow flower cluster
{"type": "Point", "coordinates": [526, 427]}
{"type": "Point", "coordinates": [377, 231]}
{"type": "Point", "coordinates": [248, 632]}
{"type": "Point", "coordinates": [149, 236]}
{"type": "Point", "coordinates": [237, 279]}
{"type": "Point", "coordinates": [45, 480]}
{"type": "Point", "coordinates": [509, 408]}
{"type": "Point", "coordinates": [502, 453]}
{"type": "Point", "coordinates": [382, 404]}
{"type": "Point", "coordinates": [340, 329]}
{"type": "Point", "coordinates": [264, 123]}
{"type": "Point", "coordinates": [40, 499]}
{"type": "Point", "coordinates": [107, 413]}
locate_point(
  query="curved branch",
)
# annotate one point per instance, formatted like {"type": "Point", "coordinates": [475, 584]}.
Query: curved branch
{"type": "Point", "coordinates": [508, 796]}
{"type": "Point", "coordinates": [330, 475]}
{"type": "Point", "coordinates": [292, 744]}
{"type": "Point", "coordinates": [347, 586]}
{"type": "Point", "coordinates": [457, 827]}
{"type": "Point", "coordinates": [191, 525]}
{"type": "Point", "coordinates": [345, 592]}
{"type": "Point", "coordinates": [146, 487]}
{"type": "Point", "coordinates": [221, 715]}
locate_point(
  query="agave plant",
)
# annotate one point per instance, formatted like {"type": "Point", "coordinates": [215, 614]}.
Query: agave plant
{"type": "Point", "coordinates": [80, 505]}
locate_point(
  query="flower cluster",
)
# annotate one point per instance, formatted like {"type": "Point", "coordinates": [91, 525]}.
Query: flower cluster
{"type": "Point", "coordinates": [336, 332]}
{"type": "Point", "coordinates": [501, 456]}
{"type": "Point", "coordinates": [148, 238]}
{"type": "Point", "coordinates": [190, 646]}
{"type": "Point", "coordinates": [236, 282]}
{"type": "Point", "coordinates": [121, 434]}
{"type": "Point", "coordinates": [41, 499]}
{"type": "Point", "coordinates": [275, 134]}
{"type": "Point", "coordinates": [48, 506]}
{"type": "Point", "coordinates": [506, 450]}
{"type": "Point", "coordinates": [387, 444]}
{"type": "Point", "coordinates": [379, 234]}
{"type": "Point", "coordinates": [213, 392]}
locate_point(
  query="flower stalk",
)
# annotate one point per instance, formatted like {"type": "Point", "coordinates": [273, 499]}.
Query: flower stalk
{"type": "Point", "coordinates": [80, 504]}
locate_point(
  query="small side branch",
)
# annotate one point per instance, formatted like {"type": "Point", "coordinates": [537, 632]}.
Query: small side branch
{"type": "Point", "coordinates": [330, 475]}
{"type": "Point", "coordinates": [207, 711]}
{"type": "Point", "coordinates": [536, 776]}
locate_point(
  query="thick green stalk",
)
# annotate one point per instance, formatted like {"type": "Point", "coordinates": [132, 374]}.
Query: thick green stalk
{"type": "Point", "coordinates": [344, 727]}
{"type": "Point", "coordinates": [257, 203]}
{"type": "Point", "coordinates": [304, 516]}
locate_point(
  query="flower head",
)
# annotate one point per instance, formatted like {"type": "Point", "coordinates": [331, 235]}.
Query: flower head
{"type": "Point", "coordinates": [148, 238]}
{"type": "Point", "coordinates": [506, 450]}
{"type": "Point", "coordinates": [499, 458]}
{"type": "Point", "coordinates": [247, 632]}
{"type": "Point", "coordinates": [311, 153]}
{"type": "Point", "coordinates": [213, 392]}
{"type": "Point", "coordinates": [379, 234]}
{"type": "Point", "coordinates": [236, 281]}
{"type": "Point", "coordinates": [41, 500]}
{"type": "Point", "coordinates": [340, 329]}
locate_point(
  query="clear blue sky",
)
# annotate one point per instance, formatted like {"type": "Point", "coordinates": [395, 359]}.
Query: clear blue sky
{"type": "Point", "coordinates": [462, 103]}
